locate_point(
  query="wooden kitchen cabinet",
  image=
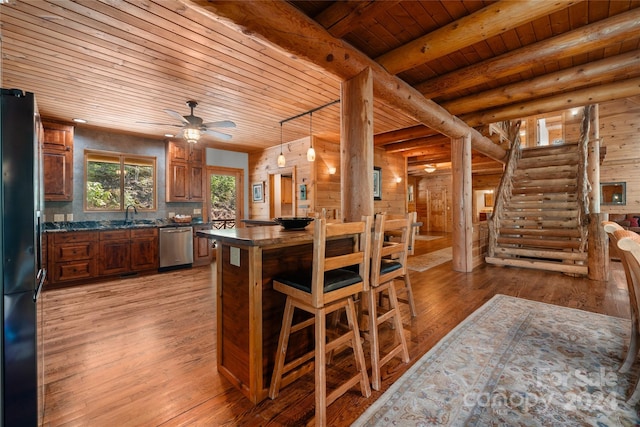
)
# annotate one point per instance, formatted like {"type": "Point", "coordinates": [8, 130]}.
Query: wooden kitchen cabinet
{"type": "Point", "coordinates": [202, 247]}
{"type": "Point", "coordinates": [144, 249]}
{"type": "Point", "coordinates": [115, 252]}
{"type": "Point", "coordinates": [72, 256]}
{"type": "Point", "coordinates": [57, 160]}
{"type": "Point", "coordinates": [185, 172]}
{"type": "Point", "coordinates": [128, 251]}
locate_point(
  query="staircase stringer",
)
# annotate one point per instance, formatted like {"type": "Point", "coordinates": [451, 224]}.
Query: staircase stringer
{"type": "Point", "coordinates": [584, 186]}
{"type": "Point", "coordinates": [505, 186]}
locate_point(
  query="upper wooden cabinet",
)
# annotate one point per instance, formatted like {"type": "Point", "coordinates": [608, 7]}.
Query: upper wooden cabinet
{"type": "Point", "coordinates": [57, 158]}
{"type": "Point", "coordinates": [185, 172]}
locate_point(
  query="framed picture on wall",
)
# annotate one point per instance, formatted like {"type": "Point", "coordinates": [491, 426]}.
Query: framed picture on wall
{"type": "Point", "coordinates": [258, 191]}
{"type": "Point", "coordinates": [377, 183]}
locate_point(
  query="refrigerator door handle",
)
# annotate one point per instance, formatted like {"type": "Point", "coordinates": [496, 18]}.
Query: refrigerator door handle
{"type": "Point", "coordinates": [40, 277]}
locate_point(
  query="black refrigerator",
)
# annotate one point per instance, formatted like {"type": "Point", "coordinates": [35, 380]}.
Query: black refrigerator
{"type": "Point", "coordinates": [21, 390]}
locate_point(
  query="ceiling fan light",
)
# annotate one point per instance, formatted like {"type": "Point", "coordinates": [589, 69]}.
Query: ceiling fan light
{"type": "Point", "coordinates": [192, 135]}
{"type": "Point", "coordinates": [430, 168]}
{"type": "Point", "coordinates": [281, 160]}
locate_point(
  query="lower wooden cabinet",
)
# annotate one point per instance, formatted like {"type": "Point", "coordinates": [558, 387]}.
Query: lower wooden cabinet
{"type": "Point", "coordinates": [72, 256]}
{"type": "Point", "coordinates": [79, 255]}
{"type": "Point", "coordinates": [202, 247]}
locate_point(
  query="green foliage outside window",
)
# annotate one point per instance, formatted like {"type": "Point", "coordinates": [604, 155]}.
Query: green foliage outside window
{"type": "Point", "coordinates": [112, 175]}
{"type": "Point", "coordinates": [223, 197]}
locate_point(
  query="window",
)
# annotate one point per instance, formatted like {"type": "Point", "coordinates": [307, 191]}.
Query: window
{"type": "Point", "coordinates": [114, 181]}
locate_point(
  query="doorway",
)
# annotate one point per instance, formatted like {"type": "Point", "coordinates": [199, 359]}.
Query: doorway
{"type": "Point", "coordinates": [225, 196]}
{"type": "Point", "coordinates": [282, 193]}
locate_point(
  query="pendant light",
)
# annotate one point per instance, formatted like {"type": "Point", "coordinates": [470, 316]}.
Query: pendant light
{"type": "Point", "coordinates": [281, 160]}
{"type": "Point", "coordinates": [311, 153]}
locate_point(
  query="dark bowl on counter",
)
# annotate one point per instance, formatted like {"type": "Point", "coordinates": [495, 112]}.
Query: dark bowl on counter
{"type": "Point", "coordinates": [293, 223]}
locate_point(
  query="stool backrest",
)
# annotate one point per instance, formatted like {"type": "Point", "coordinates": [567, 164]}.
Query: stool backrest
{"type": "Point", "coordinates": [397, 249]}
{"type": "Point", "coordinates": [360, 231]}
{"type": "Point", "coordinates": [611, 227]}
{"type": "Point", "coordinates": [629, 243]}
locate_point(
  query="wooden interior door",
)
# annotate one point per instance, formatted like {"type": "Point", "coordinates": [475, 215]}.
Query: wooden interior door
{"type": "Point", "coordinates": [438, 210]}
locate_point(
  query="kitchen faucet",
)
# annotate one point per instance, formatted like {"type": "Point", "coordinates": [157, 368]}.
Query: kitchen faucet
{"type": "Point", "coordinates": [126, 212]}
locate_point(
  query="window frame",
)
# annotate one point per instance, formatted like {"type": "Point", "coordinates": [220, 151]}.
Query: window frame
{"type": "Point", "coordinates": [123, 159]}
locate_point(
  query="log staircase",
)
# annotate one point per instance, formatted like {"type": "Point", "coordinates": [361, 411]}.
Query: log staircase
{"type": "Point", "coordinates": [538, 219]}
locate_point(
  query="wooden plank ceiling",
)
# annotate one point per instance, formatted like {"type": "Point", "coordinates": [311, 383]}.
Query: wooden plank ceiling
{"type": "Point", "coordinates": [119, 64]}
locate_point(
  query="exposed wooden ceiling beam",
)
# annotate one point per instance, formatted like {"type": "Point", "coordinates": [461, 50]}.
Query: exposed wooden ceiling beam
{"type": "Point", "coordinates": [577, 98]}
{"type": "Point", "coordinates": [624, 65]}
{"type": "Point", "coordinates": [403, 135]}
{"type": "Point", "coordinates": [487, 22]}
{"type": "Point", "coordinates": [341, 17]}
{"type": "Point", "coordinates": [589, 37]}
{"type": "Point", "coordinates": [412, 144]}
{"type": "Point", "coordinates": [286, 29]}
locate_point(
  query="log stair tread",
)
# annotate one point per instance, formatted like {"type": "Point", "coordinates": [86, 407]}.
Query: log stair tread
{"type": "Point", "coordinates": [540, 265]}
{"type": "Point", "coordinates": [539, 224]}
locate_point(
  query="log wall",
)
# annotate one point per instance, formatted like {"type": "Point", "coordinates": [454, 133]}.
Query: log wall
{"type": "Point", "coordinates": [620, 134]}
{"type": "Point", "coordinates": [323, 188]}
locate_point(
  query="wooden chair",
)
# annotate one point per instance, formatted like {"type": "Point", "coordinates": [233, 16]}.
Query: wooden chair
{"type": "Point", "coordinates": [388, 262]}
{"type": "Point", "coordinates": [329, 286]}
{"type": "Point", "coordinates": [634, 342]}
{"type": "Point", "coordinates": [629, 243]}
{"type": "Point", "coordinates": [395, 234]}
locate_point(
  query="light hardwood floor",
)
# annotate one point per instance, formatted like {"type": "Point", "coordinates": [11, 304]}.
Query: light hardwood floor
{"type": "Point", "coordinates": [141, 351]}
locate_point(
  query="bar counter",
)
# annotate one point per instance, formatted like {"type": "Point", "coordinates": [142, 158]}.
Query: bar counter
{"type": "Point", "coordinates": [249, 310]}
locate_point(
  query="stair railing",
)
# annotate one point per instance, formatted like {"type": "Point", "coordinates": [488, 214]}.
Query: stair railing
{"type": "Point", "coordinates": [584, 186]}
{"type": "Point", "coordinates": [505, 186]}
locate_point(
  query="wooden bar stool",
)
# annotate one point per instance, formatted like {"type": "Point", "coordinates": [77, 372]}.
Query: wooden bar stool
{"type": "Point", "coordinates": [629, 243]}
{"type": "Point", "coordinates": [408, 298]}
{"type": "Point", "coordinates": [329, 286]}
{"type": "Point", "coordinates": [634, 342]}
{"type": "Point", "coordinates": [388, 262]}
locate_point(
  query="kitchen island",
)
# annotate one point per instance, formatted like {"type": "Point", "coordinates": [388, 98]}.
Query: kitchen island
{"type": "Point", "coordinates": [249, 310]}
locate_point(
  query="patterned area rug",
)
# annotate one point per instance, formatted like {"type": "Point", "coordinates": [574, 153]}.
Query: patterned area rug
{"type": "Point", "coordinates": [430, 260]}
{"type": "Point", "coordinates": [516, 362]}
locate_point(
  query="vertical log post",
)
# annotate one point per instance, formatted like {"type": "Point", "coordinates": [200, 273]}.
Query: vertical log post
{"type": "Point", "coordinates": [356, 146]}
{"type": "Point", "coordinates": [462, 204]}
{"type": "Point", "coordinates": [598, 241]}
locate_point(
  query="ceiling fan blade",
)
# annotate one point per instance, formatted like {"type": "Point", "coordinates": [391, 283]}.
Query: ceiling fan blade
{"type": "Point", "coordinates": [177, 116]}
{"type": "Point", "coordinates": [218, 135]}
{"type": "Point", "coordinates": [220, 124]}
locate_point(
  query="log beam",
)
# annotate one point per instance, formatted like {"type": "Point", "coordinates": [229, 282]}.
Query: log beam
{"type": "Point", "coordinates": [356, 147]}
{"type": "Point", "coordinates": [436, 140]}
{"type": "Point", "coordinates": [462, 245]}
{"type": "Point", "coordinates": [577, 98]}
{"type": "Point", "coordinates": [286, 29]}
{"type": "Point", "coordinates": [403, 134]}
{"type": "Point", "coordinates": [481, 25]}
{"type": "Point", "coordinates": [588, 38]}
{"type": "Point", "coordinates": [624, 65]}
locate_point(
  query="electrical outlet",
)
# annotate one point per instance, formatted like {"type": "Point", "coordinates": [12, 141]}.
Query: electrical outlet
{"type": "Point", "coordinates": [69, 217]}
{"type": "Point", "coordinates": [58, 217]}
{"type": "Point", "coordinates": [172, 214]}
{"type": "Point", "coordinates": [197, 211]}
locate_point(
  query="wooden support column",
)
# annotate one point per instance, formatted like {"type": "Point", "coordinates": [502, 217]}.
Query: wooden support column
{"type": "Point", "coordinates": [462, 204]}
{"type": "Point", "coordinates": [598, 240]}
{"type": "Point", "coordinates": [356, 146]}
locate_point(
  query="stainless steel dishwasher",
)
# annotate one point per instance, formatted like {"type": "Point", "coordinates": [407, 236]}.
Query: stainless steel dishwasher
{"type": "Point", "coordinates": [176, 247]}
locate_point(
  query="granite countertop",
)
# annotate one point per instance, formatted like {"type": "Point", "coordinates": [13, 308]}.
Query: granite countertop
{"type": "Point", "coordinates": [52, 227]}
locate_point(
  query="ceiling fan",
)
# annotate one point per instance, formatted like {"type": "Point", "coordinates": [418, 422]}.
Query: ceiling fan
{"type": "Point", "coordinates": [192, 126]}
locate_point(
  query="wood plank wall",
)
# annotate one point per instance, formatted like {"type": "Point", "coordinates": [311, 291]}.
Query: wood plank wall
{"type": "Point", "coordinates": [620, 134]}
{"type": "Point", "coordinates": [323, 188]}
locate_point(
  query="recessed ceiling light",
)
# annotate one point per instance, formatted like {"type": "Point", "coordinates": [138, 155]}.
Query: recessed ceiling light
{"type": "Point", "coordinates": [79, 120]}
